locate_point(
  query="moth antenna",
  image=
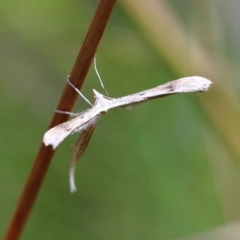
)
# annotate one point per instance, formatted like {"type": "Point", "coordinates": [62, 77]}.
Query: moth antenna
{"type": "Point", "coordinates": [68, 80]}
{"type": "Point", "coordinates": [65, 112]}
{"type": "Point", "coordinates": [98, 75]}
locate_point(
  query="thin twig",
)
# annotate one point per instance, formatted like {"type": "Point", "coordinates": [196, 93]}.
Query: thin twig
{"type": "Point", "coordinates": [66, 103]}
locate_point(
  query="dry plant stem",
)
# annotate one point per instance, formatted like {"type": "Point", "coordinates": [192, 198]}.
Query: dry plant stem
{"type": "Point", "coordinates": [188, 57]}
{"type": "Point", "coordinates": [66, 103]}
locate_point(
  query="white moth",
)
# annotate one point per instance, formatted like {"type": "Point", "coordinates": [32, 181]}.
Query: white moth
{"type": "Point", "coordinates": [87, 120]}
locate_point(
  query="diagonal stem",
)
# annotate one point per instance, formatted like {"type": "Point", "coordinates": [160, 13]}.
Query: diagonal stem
{"type": "Point", "coordinates": [66, 103]}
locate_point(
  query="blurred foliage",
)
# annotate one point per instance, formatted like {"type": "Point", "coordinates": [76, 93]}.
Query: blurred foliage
{"type": "Point", "coordinates": [160, 171]}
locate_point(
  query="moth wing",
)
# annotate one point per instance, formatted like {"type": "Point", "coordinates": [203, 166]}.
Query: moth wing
{"type": "Point", "coordinates": [57, 134]}
{"type": "Point", "coordinates": [80, 147]}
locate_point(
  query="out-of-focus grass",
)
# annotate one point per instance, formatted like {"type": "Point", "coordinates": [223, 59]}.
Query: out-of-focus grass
{"type": "Point", "coordinates": [149, 173]}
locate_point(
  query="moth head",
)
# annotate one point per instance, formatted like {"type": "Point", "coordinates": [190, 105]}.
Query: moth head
{"type": "Point", "coordinates": [97, 94]}
{"type": "Point", "coordinates": [101, 101]}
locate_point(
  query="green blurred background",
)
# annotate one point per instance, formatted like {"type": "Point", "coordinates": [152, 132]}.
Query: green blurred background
{"type": "Point", "coordinates": [167, 169]}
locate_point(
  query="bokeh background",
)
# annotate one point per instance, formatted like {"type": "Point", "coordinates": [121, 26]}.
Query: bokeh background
{"type": "Point", "coordinates": [167, 169]}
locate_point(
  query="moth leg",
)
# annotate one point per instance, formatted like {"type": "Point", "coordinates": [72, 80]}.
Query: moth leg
{"type": "Point", "coordinates": [77, 90]}
{"type": "Point", "coordinates": [98, 75]}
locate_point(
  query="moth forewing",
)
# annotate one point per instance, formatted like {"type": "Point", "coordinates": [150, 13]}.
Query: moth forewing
{"type": "Point", "coordinates": [182, 85]}
{"type": "Point", "coordinates": [57, 134]}
{"type": "Point", "coordinates": [188, 84]}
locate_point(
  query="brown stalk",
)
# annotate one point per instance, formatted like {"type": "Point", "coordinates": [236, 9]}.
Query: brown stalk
{"type": "Point", "coordinates": [66, 103]}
